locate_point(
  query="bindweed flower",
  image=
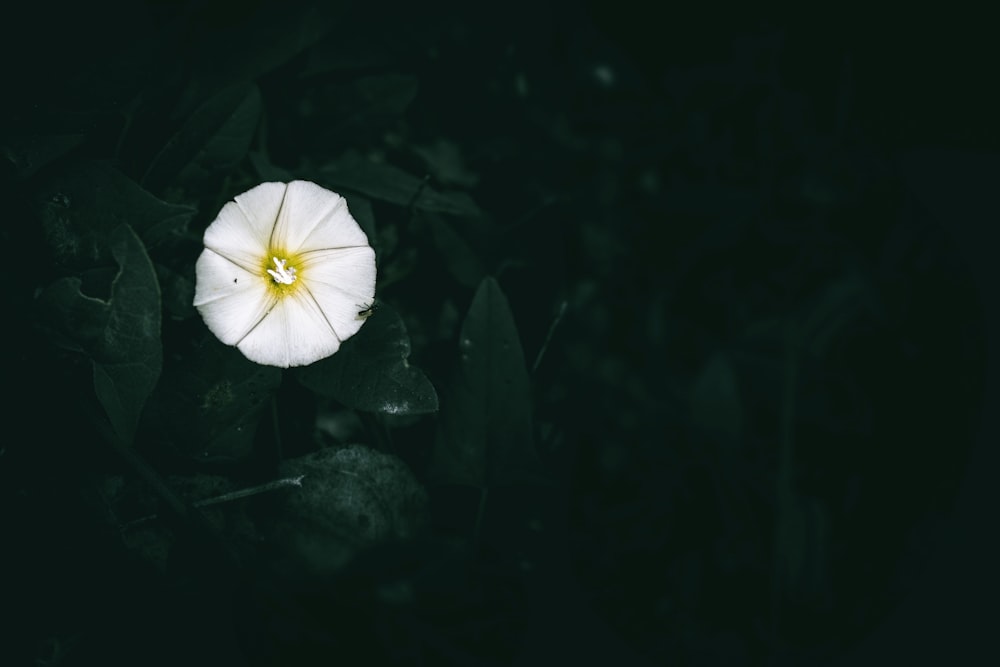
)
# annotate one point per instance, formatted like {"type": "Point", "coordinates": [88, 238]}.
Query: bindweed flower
{"type": "Point", "coordinates": [285, 274]}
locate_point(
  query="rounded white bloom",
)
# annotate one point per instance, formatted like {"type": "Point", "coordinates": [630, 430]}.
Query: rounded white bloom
{"type": "Point", "coordinates": [286, 274]}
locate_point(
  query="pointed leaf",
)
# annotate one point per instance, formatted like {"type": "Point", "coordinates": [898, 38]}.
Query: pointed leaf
{"type": "Point", "coordinates": [82, 206]}
{"type": "Point", "coordinates": [485, 433]}
{"type": "Point", "coordinates": [214, 138]}
{"type": "Point", "coordinates": [385, 182]}
{"type": "Point", "coordinates": [370, 372]}
{"type": "Point", "coordinates": [121, 335]}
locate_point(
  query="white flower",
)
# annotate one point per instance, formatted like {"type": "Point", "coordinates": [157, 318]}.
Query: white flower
{"type": "Point", "coordinates": [285, 274]}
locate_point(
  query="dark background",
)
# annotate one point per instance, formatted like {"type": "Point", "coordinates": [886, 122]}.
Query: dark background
{"type": "Point", "coordinates": [687, 186]}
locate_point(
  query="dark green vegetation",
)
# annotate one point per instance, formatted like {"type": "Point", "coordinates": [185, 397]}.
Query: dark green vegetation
{"type": "Point", "coordinates": [673, 360]}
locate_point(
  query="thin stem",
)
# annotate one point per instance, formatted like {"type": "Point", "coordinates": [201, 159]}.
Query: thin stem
{"type": "Point", "coordinates": [416, 195]}
{"type": "Point", "coordinates": [548, 336]}
{"type": "Point", "coordinates": [227, 498]}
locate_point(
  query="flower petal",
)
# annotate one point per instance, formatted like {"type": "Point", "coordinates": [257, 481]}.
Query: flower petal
{"type": "Point", "coordinates": [314, 218]}
{"type": "Point", "coordinates": [343, 284]}
{"type": "Point", "coordinates": [230, 299]}
{"type": "Point", "coordinates": [243, 228]}
{"type": "Point", "coordinates": [351, 270]}
{"type": "Point", "coordinates": [294, 333]}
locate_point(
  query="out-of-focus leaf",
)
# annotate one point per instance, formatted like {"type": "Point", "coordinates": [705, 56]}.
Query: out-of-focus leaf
{"type": "Point", "coordinates": [214, 138]}
{"type": "Point", "coordinates": [824, 316]}
{"type": "Point", "coordinates": [258, 42]}
{"type": "Point", "coordinates": [444, 159]}
{"type": "Point", "coordinates": [842, 301]}
{"type": "Point", "coordinates": [209, 402]}
{"type": "Point", "coordinates": [120, 335]}
{"type": "Point", "coordinates": [385, 182]}
{"type": "Point", "coordinates": [485, 430]}
{"type": "Point", "coordinates": [351, 498]}
{"type": "Point", "coordinates": [370, 372]}
{"type": "Point", "coordinates": [81, 207]}
{"type": "Point", "coordinates": [461, 260]}
{"type": "Point", "coordinates": [716, 407]}
{"type": "Point", "coordinates": [28, 154]}
{"type": "Point", "coordinates": [369, 101]}
{"type": "Point", "coordinates": [135, 508]}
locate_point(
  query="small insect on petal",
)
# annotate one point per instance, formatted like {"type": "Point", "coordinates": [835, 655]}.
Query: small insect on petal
{"type": "Point", "coordinates": [366, 311]}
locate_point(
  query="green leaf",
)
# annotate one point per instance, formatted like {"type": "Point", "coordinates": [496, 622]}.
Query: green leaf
{"type": "Point", "coordinates": [120, 335]}
{"type": "Point", "coordinates": [213, 139]}
{"type": "Point", "coordinates": [385, 182]}
{"type": "Point", "coordinates": [485, 432]}
{"type": "Point", "coordinates": [209, 402]}
{"type": "Point", "coordinates": [370, 372]}
{"type": "Point", "coordinates": [81, 207]}
{"type": "Point", "coordinates": [351, 498]}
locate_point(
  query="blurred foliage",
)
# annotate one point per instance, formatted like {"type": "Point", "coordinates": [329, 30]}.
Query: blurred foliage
{"type": "Point", "coordinates": [665, 361]}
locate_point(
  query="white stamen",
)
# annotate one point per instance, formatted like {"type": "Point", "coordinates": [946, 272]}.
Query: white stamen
{"type": "Point", "coordinates": [282, 275]}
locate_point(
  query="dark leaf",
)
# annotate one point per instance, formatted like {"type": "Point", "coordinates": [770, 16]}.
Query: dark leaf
{"type": "Point", "coordinates": [81, 207]}
{"type": "Point", "coordinates": [209, 402]}
{"type": "Point", "coordinates": [213, 139]}
{"type": "Point", "coordinates": [121, 335]}
{"type": "Point", "coordinates": [351, 498]}
{"type": "Point", "coordinates": [242, 50]}
{"type": "Point", "coordinates": [485, 432]}
{"type": "Point", "coordinates": [370, 372]}
{"type": "Point", "coordinates": [177, 291]}
{"type": "Point", "coordinates": [385, 182]}
{"type": "Point", "coordinates": [445, 161]}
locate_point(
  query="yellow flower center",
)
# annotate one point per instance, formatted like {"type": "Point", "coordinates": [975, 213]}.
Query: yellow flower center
{"type": "Point", "coordinates": [280, 271]}
{"type": "Point", "coordinates": [282, 274]}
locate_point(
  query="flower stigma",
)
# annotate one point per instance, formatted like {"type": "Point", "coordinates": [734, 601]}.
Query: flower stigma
{"type": "Point", "coordinates": [282, 276]}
